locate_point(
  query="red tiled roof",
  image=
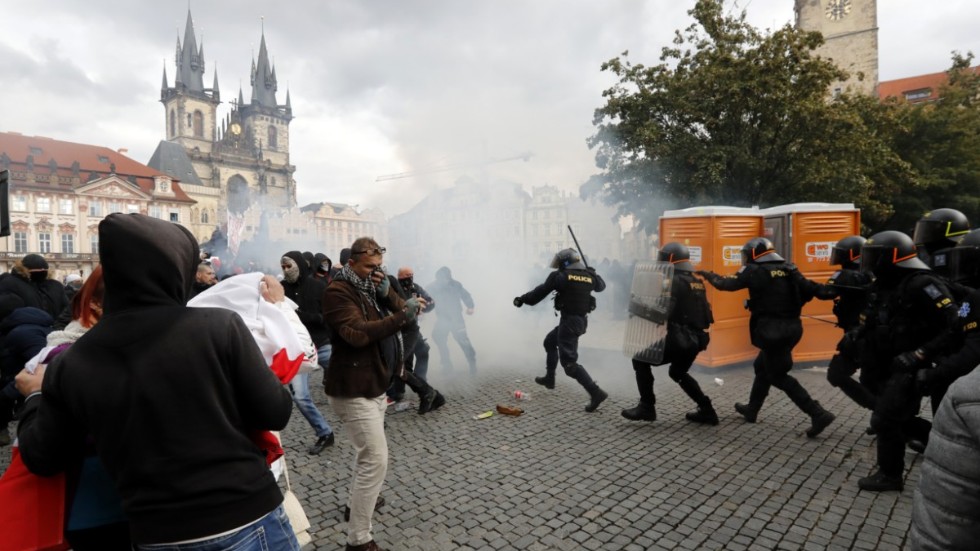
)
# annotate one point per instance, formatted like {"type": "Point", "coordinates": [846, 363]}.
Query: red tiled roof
{"type": "Point", "coordinates": [900, 88]}
{"type": "Point", "coordinates": [91, 158]}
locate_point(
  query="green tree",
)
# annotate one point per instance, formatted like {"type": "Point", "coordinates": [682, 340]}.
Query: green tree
{"type": "Point", "coordinates": [941, 142]}
{"type": "Point", "coordinates": [734, 116]}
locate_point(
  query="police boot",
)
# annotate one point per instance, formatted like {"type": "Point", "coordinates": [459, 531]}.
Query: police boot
{"type": "Point", "coordinates": [644, 411]}
{"type": "Point", "coordinates": [757, 396]}
{"type": "Point", "coordinates": [596, 397]}
{"type": "Point", "coordinates": [881, 482]}
{"type": "Point", "coordinates": [705, 414]}
{"type": "Point", "coordinates": [548, 381]}
{"type": "Point", "coordinates": [819, 419]}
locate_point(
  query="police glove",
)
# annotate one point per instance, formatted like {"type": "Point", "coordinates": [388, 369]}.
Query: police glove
{"type": "Point", "coordinates": [518, 301]}
{"type": "Point", "coordinates": [705, 274]}
{"type": "Point", "coordinates": [412, 307]}
{"type": "Point", "coordinates": [848, 342]}
{"type": "Point", "coordinates": [906, 361]}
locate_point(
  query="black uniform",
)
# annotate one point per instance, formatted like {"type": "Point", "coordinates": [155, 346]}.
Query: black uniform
{"type": "Point", "coordinates": [777, 292]}
{"type": "Point", "coordinates": [573, 286]}
{"type": "Point", "coordinates": [917, 318]}
{"type": "Point", "coordinates": [689, 318]}
{"type": "Point", "coordinates": [849, 290]}
{"type": "Point", "coordinates": [934, 382]}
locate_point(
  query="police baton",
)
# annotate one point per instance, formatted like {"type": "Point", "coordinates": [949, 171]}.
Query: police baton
{"type": "Point", "coordinates": [580, 253]}
{"type": "Point", "coordinates": [834, 323]}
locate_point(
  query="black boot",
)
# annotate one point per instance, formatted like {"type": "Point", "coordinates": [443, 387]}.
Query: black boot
{"type": "Point", "coordinates": [705, 414]}
{"type": "Point", "coordinates": [881, 482]}
{"type": "Point", "coordinates": [643, 411]}
{"type": "Point", "coordinates": [596, 397]}
{"type": "Point", "coordinates": [757, 396]}
{"type": "Point", "coordinates": [819, 419]}
{"type": "Point", "coordinates": [548, 381]}
{"type": "Point", "coordinates": [746, 410]}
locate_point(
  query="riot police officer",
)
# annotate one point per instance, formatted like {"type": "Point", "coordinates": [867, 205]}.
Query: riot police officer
{"type": "Point", "coordinates": [689, 317]}
{"type": "Point", "coordinates": [938, 229]}
{"type": "Point", "coordinates": [915, 322]}
{"type": "Point", "coordinates": [848, 287]}
{"type": "Point", "coordinates": [777, 292]}
{"type": "Point", "coordinates": [573, 283]}
{"type": "Point", "coordinates": [961, 265]}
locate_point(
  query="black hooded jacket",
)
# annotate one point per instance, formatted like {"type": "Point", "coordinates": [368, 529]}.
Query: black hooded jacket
{"type": "Point", "coordinates": [171, 395]}
{"type": "Point", "coordinates": [307, 293]}
{"type": "Point", "coordinates": [48, 295]}
{"type": "Point", "coordinates": [448, 294]}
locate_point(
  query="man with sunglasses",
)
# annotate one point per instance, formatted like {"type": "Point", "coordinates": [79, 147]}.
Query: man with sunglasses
{"type": "Point", "coordinates": [366, 315]}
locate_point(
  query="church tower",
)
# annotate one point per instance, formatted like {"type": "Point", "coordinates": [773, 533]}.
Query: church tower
{"type": "Point", "coordinates": [850, 29]}
{"type": "Point", "coordinates": [190, 108]}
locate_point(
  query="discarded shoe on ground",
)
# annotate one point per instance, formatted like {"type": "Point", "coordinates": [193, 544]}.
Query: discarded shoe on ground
{"type": "Point", "coordinates": [509, 410]}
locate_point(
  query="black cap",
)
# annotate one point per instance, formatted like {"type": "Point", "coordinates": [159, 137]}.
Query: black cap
{"type": "Point", "coordinates": [35, 262]}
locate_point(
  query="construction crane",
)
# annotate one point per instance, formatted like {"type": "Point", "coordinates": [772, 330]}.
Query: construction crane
{"type": "Point", "coordinates": [524, 156]}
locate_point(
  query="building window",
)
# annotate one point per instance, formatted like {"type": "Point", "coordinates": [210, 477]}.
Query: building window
{"type": "Point", "coordinates": [19, 202]}
{"type": "Point", "coordinates": [189, 122]}
{"type": "Point", "coordinates": [198, 124]}
{"type": "Point", "coordinates": [95, 243]}
{"type": "Point", "coordinates": [66, 206]}
{"type": "Point", "coordinates": [174, 216]}
{"type": "Point", "coordinates": [133, 208]}
{"type": "Point", "coordinates": [918, 94]}
{"type": "Point", "coordinates": [67, 243]}
{"type": "Point", "coordinates": [115, 206]}
{"type": "Point", "coordinates": [43, 204]}
{"type": "Point", "coordinates": [95, 208]}
{"type": "Point", "coordinates": [273, 137]}
{"type": "Point", "coordinates": [44, 242]}
{"type": "Point", "coordinates": [20, 242]}
{"type": "Point", "coordinates": [155, 211]}
{"type": "Point", "coordinates": [205, 219]}
{"type": "Point", "coordinates": [173, 123]}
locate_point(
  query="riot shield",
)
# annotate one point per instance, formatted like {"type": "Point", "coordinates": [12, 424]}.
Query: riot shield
{"type": "Point", "coordinates": [649, 308]}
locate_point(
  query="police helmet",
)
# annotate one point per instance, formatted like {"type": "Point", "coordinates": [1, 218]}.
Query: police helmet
{"type": "Point", "coordinates": [565, 258]}
{"type": "Point", "coordinates": [940, 229]}
{"type": "Point", "coordinates": [759, 250]}
{"type": "Point", "coordinates": [887, 251]}
{"type": "Point", "coordinates": [963, 260]}
{"type": "Point", "coordinates": [676, 254]}
{"type": "Point", "coordinates": [847, 252]}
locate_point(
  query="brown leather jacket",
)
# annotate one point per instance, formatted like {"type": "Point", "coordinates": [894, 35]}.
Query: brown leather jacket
{"type": "Point", "coordinates": [357, 366]}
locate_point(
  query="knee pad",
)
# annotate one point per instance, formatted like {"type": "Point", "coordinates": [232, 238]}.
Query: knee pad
{"type": "Point", "coordinates": [571, 369]}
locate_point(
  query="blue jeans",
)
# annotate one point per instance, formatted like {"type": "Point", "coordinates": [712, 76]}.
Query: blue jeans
{"type": "Point", "coordinates": [300, 387]}
{"type": "Point", "coordinates": [271, 533]}
{"type": "Point", "coordinates": [323, 356]}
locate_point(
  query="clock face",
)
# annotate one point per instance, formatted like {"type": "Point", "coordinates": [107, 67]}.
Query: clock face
{"type": "Point", "coordinates": [838, 9]}
{"type": "Point", "coordinates": [236, 128]}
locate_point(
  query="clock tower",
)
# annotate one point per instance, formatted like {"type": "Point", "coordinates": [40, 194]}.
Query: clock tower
{"type": "Point", "coordinates": [850, 31]}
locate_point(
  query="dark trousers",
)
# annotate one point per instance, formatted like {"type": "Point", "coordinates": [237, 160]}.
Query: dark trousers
{"type": "Point", "coordinates": [440, 334]}
{"type": "Point", "coordinates": [414, 345]}
{"type": "Point", "coordinates": [561, 345]}
{"type": "Point", "coordinates": [895, 418]}
{"type": "Point", "coordinates": [776, 338]}
{"type": "Point", "coordinates": [682, 348]}
{"type": "Point", "coordinates": [840, 373]}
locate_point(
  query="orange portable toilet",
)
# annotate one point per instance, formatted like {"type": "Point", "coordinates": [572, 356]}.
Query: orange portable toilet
{"type": "Point", "coordinates": [715, 236]}
{"type": "Point", "coordinates": [805, 233]}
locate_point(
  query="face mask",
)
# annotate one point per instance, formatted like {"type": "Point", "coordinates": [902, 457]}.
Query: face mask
{"type": "Point", "coordinates": [290, 270]}
{"type": "Point", "coordinates": [406, 283]}
{"type": "Point", "coordinates": [38, 277]}
{"type": "Point", "coordinates": [324, 267]}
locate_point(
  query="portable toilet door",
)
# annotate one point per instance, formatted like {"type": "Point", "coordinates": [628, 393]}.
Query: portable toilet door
{"type": "Point", "coordinates": [805, 234]}
{"type": "Point", "coordinates": [715, 236]}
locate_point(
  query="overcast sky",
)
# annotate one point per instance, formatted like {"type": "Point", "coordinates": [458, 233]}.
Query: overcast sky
{"type": "Point", "coordinates": [387, 86]}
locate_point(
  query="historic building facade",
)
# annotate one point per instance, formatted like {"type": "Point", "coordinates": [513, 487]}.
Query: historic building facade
{"type": "Point", "coordinates": [60, 191]}
{"type": "Point", "coordinates": [850, 29]}
{"type": "Point", "coordinates": [228, 164]}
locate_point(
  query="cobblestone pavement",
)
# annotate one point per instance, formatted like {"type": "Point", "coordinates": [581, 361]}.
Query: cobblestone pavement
{"type": "Point", "coordinates": [560, 478]}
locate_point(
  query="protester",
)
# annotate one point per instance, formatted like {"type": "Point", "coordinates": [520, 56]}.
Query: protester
{"type": "Point", "coordinates": [170, 396]}
{"type": "Point", "coordinates": [452, 297]}
{"type": "Point", "coordinates": [28, 281]}
{"type": "Point", "coordinates": [204, 279]}
{"type": "Point", "coordinates": [366, 315]}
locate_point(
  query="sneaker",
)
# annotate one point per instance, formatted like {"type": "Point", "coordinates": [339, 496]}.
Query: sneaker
{"type": "Point", "coordinates": [642, 412]}
{"type": "Point", "coordinates": [598, 397]}
{"type": "Point", "coordinates": [705, 416]}
{"type": "Point", "coordinates": [747, 411]}
{"type": "Point", "coordinates": [321, 443]}
{"type": "Point", "coordinates": [377, 505]}
{"type": "Point", "coordinates": [547, 382]}
{"type": "Point", "coordinates": [881, 482]}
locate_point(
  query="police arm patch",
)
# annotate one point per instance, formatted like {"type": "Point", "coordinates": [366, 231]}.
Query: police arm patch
{"type": "Point", "coordinates": [933, 291]}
